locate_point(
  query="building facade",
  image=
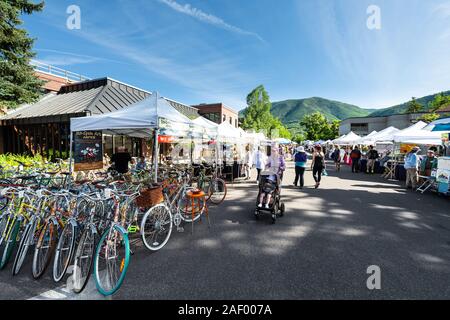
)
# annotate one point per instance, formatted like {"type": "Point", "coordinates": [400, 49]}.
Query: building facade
{"type": "Point", "coordinates": [44, 127]}
{"type": "Point", "coordinates": [218, 113]}
{"type": "Point", "coordinates": [365, 125]}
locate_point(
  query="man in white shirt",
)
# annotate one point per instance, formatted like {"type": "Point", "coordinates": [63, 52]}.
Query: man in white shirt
{"type": "Point", "coordinates": [260, 162]}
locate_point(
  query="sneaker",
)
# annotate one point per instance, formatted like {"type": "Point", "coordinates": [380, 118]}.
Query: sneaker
{"type": "Point", "coordinates": [260, 205]}
{"type": "Point", "coordinates": [267, 206]}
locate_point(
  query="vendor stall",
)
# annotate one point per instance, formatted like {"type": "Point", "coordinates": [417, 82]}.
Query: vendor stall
{"type": "Point", "coordinates": [153, 116]}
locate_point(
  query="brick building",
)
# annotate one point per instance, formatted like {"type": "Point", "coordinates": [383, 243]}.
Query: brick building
{"type": "Point", "coordinates": [218, 113]}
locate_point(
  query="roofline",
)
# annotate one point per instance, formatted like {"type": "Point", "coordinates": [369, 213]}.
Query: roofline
{"type": "Point", "coordinates": [395, 114]}
{"type": "Point", "coordinates": [216, 103]}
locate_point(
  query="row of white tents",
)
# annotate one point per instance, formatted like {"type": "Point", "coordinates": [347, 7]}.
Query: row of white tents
{"type": "Point", "coordinates": [414, 134]}
{"type": "Point", "coordinates": [154, 116]}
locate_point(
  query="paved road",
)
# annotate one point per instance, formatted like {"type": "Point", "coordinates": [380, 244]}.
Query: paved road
{"type": "Point", "coordinates": [321, 249]}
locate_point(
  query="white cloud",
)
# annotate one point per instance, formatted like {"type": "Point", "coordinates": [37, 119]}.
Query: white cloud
{"type": "Point", "coordinates": [208, 18]}
{"type": "Point", "coordinates": [64, 58]}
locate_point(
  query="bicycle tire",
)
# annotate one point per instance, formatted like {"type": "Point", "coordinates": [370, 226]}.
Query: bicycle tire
{"type": "Point", "coordinates": [167, 219]}
{"type": "Point", "coordinates": [218, 200]}
{"type": "Point", "coordinates": [24, 245]}
{"type": "Point", "coordinates": [10, 243]}
{"type": "Point", "coordinates": [124, 263]}
{"type": "Point", "coordinates": [60, 267]}
{"type": "Point", "coordinates": [88, 233]}
{"type": "Point", "coordinates": [48, 235]}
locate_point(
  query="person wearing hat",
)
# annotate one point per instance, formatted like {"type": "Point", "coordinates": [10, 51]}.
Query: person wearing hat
{"type": "Point", "coordinates": [300, 158]}
{"type": "Point", "coordinates": [411, 165]}
{"type": "Point", "coordinates": [428, 163]}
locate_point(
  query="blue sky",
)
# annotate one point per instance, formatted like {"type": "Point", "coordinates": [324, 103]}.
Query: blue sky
{"type": "Point", "coordinates": [202, 51]}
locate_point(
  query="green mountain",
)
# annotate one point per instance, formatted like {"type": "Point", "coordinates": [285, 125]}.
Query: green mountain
{"type": "Point", "coordinates": [293, 110]}
{"type": "Point", "coordinates": [401, 108]}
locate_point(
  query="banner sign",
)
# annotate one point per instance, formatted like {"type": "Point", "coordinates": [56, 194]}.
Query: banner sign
{"type": "Point", "coordinates": [166, 139]}
{"type": "Point", "coordinates": [88, 150]}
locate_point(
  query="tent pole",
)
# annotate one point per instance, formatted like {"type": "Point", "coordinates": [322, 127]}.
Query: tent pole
{"type": "Point", "coordinates": [70, 152]}
{"type": "Point", "coordinates": [156, 154]}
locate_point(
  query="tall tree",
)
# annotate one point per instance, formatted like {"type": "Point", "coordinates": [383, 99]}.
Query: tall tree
{"type": "Point", "coordinates": [18, 84]}
{"type": "Point", "coordinates": [257, 115]}
{"type": "Point", "coordinates": [414, 106]}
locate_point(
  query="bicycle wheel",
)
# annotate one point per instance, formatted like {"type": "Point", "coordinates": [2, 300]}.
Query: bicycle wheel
{"type": "Point", "coordinates": [218, 191]}
{"type": "Point", "coordinates": [156, 227]}
{"type": "Point", "coordinates": [10, 243]}
{"type": "Point", "coordinates": [3, 226]}
{"type": "Point", "coordinates": [44, 249]}
{"type": "Point", "coordinates": [111, 260]}
{"type": "Point", "coordinates": [185, 208]}
{"type": "Point", "coordinates": [64, 251]}
{"type": "Point", "coordinates": [84, 258]}
{"type": "Point", "coordinates": [25, 242]}
{"type": "Point", "coordinates": [4, 200]}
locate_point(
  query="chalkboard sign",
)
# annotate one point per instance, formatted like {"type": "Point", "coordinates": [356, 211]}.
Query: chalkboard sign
{"type": "Point", "coordinates": [88, 150]}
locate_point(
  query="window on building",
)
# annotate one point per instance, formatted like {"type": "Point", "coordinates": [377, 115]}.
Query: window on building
{"type": "Point", "coordinates": [360, 128]}
{"type": "Point", "coordinates": [236, 123]}
{"type": "Point", "coordinates": [214, 116]}
{"type": "Point", "coordinates": [231, 120]}
{"type": "Point", "coordinates": [224, 118]}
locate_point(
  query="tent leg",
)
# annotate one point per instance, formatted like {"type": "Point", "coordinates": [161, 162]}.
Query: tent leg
{"type": "Point", "coordinates": [71, 153]}
{"type": "Point", "coordinates": [156, 155]}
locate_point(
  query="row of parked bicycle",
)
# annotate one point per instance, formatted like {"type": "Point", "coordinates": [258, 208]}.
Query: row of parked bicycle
{"type": "Point", "coordinates": [92, 225]}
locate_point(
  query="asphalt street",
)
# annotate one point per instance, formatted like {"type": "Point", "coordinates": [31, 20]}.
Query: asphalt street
{"type": "Point", "coordinates": [320, 249]}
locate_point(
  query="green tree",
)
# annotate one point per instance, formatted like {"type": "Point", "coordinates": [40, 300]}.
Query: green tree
{"type": "Point", "coordinates": [317, 127]}
{"type": "Point", "coordinates": [429, 117]}
{"type": "Point", "coordinates": [257, 115]}
{"type": "Point", "coordinates": [299, 138]}
{"type": "Point", "coordinates": [414, 106]}
{"type": "Point", "coordinates": [439, 102]}
{"type": "Point", "coordinates": [18, 83]}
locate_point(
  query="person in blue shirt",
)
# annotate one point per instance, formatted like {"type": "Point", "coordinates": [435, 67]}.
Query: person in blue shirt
{"type": "Point", "coordinates": [300, 158]}
{"type": "Point", "coordinates": [412, 162]}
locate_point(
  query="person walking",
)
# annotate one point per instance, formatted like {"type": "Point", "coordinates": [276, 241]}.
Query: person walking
{"type": "Point", "coordinates": [318, 165]}
{"type": "Point", "coordinates": [411, 165]}
{"type": "Point", "coordinates": [301, 159]}
{"type": "Point", "coordinates": [336, 156]}
{"type": "Point", "coordinates": [355, 155]}
{"type": "Point", "coordinates": [260, 162]}
{"type": "Point", "coordinates": [276, 162]}
{"type": "Point", "coordinates": [372, 157]}
{"type": "Point", "coordinates": [248, 162]}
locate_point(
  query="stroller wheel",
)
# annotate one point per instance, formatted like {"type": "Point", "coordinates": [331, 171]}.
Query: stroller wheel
{"type": "Point", "coordinates": [274, 218]}
{"type": "Point", "coordinates": [256, 214]}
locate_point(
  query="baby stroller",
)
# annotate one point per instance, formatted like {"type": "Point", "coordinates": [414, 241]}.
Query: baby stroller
{"type": "Point", "coordinates": [269, 185]}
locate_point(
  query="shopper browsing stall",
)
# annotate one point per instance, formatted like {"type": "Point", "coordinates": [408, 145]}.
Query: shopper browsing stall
{"type": "Point", "coordinates": [411, 165]}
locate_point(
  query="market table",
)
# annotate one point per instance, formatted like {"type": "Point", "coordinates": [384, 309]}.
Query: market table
{"type": "Point", "coordinates": [400, 172]}
{"type": "Point", "coordinates": [429, 182]}
{"type": "Point", "coordinates": [378, 168]}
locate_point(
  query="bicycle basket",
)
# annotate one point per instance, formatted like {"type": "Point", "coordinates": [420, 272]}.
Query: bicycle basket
{"type": "Point", "coordinates": [150, 197]}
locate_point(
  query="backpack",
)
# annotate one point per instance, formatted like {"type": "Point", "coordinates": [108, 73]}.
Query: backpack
{"type": "Point", "coordinates": [354, 154]}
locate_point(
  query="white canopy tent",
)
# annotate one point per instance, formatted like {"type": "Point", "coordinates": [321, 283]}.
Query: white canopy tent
{"type": "Point", "coordinates": [140, 120]}
{"type": "Point", "coordinates": [422, 137]}
{"type": "Point", "coordinates": [227, 132]}
{"type": "Point", "coordinates": [348, 139]}
{"type": "Point", "coordinates": [365, 139]}
{"type": "Point", "coordinates": [209, 127]}
{"type": "Point", "coordinates": [386, 135]}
